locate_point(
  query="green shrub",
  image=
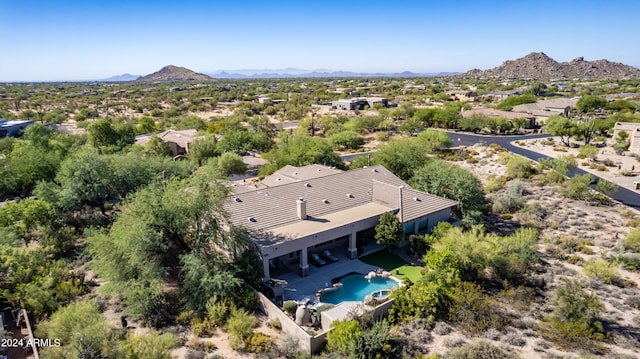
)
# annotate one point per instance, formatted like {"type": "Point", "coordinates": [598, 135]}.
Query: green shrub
{"type": "Point", "coordinates": [495, 183]}
{"type": "Point", "coordinates": [572, 304]}
{"type": "Point", "coordinates": [574, 336]}
{"type": "Point", "coordinates": [275, 324]}
{"type": "Point", "coordinates": [79, 317]}
{"type": "Point", "coordinates": [202, 327]}
{"type": "Point", "coordinates": [209, 347]}
{"type": "Point", "coordinates": [519, 167]}
{"type": "Point", "coordinates": [217, 311]}
{"type": "Point", "coordinates": [560, 149]}
{"type": "Point", "coordinates": [573, 259]}
{"type": "Point", "coordinates": [601, 269]}
{"type": "Point", "coordinates": [258, 343]}
{"type": "Point", "coordinates": [554, 177]}
{"type": "Point", "coordinates": [633, 223]}
{"type": "Point", "coordinates": [150, 346]}
{"type": "Point", "coordinates": [148, 304]}
{"type": "Point", "coordinates": [473, 312]}
{"type": "Point", "coordinates": [632, 242]}
{"type": "Point", "coordinates": [239, 325]}
{"type": "Point", "coordinates": [629, 261]}
{"type": "Point", "coordinates": [374, 343]}
{"type": "Point", "coordinates": [290, 307]}
{"type": "Point", "coordinates": [586, 250]}
{"type": "Point", "coordinates": [80, 327]}
{"type": "Point", "coordinates": [382, 136]}
{"type": "Point", "coordinates": [185, 317]}
{"type": "Point", "coordinates": [344, 336]}
{"type": "Point", "coordinates": [532, 215]}
{"type": "Point", "coordinates": [574, 323]}
{"type": "Point", "coordinates": [578, 187]}
{"type": "Point", "coordinates": [479, 349]}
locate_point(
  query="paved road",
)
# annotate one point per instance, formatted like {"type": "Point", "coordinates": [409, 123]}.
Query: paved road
{"type": "Point", "coordinates": [623, 195]}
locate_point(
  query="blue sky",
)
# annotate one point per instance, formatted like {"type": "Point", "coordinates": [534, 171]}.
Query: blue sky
{"type": "Point", "coordinates": [92, 39]}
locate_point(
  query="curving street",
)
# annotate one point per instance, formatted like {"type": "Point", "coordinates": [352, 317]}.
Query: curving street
{"type": "Point", "coordinates": [623, 195]}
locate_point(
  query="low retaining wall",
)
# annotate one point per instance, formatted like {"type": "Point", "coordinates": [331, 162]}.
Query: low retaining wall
{"type": "Point", "coordinates": [382, 311]}
{"type": "Point", "coordinates": [305, 341]}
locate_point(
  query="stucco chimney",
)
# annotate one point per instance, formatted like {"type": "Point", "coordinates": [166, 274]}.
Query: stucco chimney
{"type": "Point", "coordinates": [301, 205]}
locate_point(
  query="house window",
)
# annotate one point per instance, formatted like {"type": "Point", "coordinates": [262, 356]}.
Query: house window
{"type": "Point", "coordinates": [409, 228]}
{"type": "Point", "coordinates": [423, 225]}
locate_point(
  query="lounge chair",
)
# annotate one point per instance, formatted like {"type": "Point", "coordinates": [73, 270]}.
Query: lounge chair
{"type": "Point", "coordinates": [330, 256]}
{"type": "Point", "coordinates": [317, 260]}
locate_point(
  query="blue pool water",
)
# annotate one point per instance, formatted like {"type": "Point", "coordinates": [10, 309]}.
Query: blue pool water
{"type": "Point", "coordinates": [356, 287]}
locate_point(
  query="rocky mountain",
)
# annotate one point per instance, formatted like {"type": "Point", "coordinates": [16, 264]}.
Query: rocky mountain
{"type": "Point", "coordinates": [537, 65]}
{"type": "Point", "coordinates": [174, 73]}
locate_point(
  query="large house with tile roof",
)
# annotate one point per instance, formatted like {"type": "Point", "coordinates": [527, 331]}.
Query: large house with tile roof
{"type": "Point", "coordinates": [299, 211]}
{"type": "Point", "coordinates": [177, 141]}
{"type": "Point", "coordinates": [544, 109]}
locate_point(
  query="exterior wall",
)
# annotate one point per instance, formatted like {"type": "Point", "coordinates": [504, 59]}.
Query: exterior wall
{"type": "Point", "coordinates": [386, 194]}
{"type": "Point", "coordinates": [284, 248]}
{"type": "Point", "coordinates": [382, 311]}
{"type": "Point", "coordinates": [631, 129]}
{"type": "Point", "coordinates": [358, 103]}
{"type": "Point", "coordinates": [440, 216]}
{"type": "Point", "coordinates": [305, 341]}
{"type": "Point", "coordinates": [288, 325]}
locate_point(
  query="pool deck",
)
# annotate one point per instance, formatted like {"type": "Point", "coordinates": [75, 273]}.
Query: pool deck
{"type": "Point", "coordinates": [300, 288]}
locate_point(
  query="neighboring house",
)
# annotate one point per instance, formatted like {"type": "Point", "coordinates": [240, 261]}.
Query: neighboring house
{"type": "Point", "coordinates": [498, 96]}
{"type": "Point", "coordinates": [462, 95]}
{"type": "Point", "coordinates": [177, 141]}
{"type": "Point", "coordinates": [303, 211]}
{"type": "Point", "coordinates": [544, 109]}
{"type": "Point", "coordinates": [358, 103]}
{"type": "Point", "coordinates": [492, 112]}
{"type": "Point", "coordinates": [632, 129]}
{"type": "Point", "coordinates": [11, 128]}
{"type": "Point", "coordinates": [418, 88]}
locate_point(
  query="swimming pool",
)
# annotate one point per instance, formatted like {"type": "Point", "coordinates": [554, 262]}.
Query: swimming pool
{"type": "Point", "coordinates": [356, 287]}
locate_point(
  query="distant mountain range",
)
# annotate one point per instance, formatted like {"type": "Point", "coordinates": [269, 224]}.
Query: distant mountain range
{"type": "Point", "coordinates": [179, 74]}
{"type": "Point", "coordinates": [294, 73]}
{"type": "Point", "coordinates": [121, 78]}
{"type": "Point", "coordinates": [537, 65]}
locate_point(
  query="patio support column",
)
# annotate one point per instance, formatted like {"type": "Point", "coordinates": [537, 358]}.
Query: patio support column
{"type": "Point", "coordinates": [353, 249]}
{"type": "Point", "coordinates": [265, 267]}
{"type": "Point", "coordinates": [304, 262]}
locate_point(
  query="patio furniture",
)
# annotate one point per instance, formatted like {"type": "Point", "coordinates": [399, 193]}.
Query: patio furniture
{"type": "Point", "coordinates": [330, 256]}
{"type": "Point", "coordinates": [317, 260]}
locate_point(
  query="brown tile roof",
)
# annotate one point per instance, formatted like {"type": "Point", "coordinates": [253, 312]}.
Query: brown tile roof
{"type": "Point", "coordinates": [276, 206]}
{"type": "Point", "coordinates": [182, 138]}
{"type": "Point", "coordinates": [290, 174]}
{"type": "Point", "coordinates": [550, 106]}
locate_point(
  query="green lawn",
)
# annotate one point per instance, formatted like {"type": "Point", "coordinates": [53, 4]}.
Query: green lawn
{"type": "Point", "coordinates": [390, 262]}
